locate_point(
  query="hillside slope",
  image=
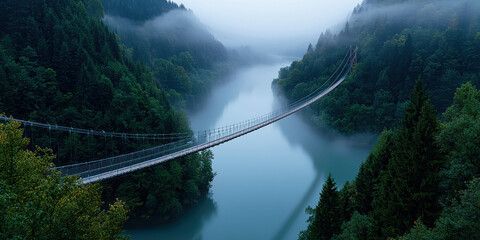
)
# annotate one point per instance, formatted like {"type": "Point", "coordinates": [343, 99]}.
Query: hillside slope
{"type": "Point", "coordinates": [184, 56]}
{"type": "Point", "coordinates": [397, 41]}
{"type": "Point", "coordinates": [59, 63]}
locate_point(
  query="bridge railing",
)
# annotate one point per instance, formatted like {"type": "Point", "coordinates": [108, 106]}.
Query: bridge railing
{"type": "Point", "coordinates": [104, 165]}
{"type": "Point", "coordinates": [93, 168]}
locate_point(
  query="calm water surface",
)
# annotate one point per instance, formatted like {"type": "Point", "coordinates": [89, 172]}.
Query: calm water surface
{"type": "Point", "coordinates": [265, 179]}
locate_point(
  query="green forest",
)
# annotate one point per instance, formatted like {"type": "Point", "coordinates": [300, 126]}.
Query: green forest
{"type": "Point", "coordinates": [397, 42]}
{"type": "Point", "coordinates": [415, 81]}
{"type": "Point", "coordinates": [135, 66]}
{"type": "Point", "coordinates": [183, 56]}
{"type": "Point", "coordinates": [420, 181]}
{"type": "Point", "coordinates": [59, 63]}
{"type": "Point", "coordinates": [36, 202]}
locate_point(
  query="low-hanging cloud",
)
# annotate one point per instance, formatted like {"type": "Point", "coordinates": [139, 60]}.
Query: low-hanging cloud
{"type": "Point", "coordinates": [178, 26]}
{"type": "Point", "coordinates": [275, 26]}
{"type": "Point", "coordinates": [432, 11]}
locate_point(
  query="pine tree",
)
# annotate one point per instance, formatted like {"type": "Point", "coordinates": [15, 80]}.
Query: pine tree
{"type": "Point", "coordinates": [409, 186]}
{"type": "Point", "coordinates": [367, 179]}
{"type": "Point", "coordinates": [327, 217]}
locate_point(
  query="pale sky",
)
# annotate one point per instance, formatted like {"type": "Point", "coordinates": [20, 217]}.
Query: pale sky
{"type": "Point", "coordinates": [270, 24]}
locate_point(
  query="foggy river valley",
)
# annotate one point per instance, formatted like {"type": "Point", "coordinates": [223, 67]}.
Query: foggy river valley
{"type": "Point", "coordinates": [266, 179]}
{"type": "Point", "coordinates": [240, 119]}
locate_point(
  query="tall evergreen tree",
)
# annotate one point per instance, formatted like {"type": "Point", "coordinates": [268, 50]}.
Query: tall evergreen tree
{"type": "Point", "coordinates": [368, 179]}
{"type": "Point", "coordinates": [326, 218]}
{"type": "Point", "coordinates": [409, 187]}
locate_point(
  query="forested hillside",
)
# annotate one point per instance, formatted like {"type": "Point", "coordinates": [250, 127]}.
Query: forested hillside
{"type": "Point", "coordinates": [184, 57]}
{"type": "Point", "coordinates": [139, 10]}
{"type": "Point", "coordinates": [36, 202]}
{"type": "Point", "coordinates": [415, 82]}
{"type": "Point", "coordinates": [59, 63]}
{"type": "Point", "coordinates": [397, 41]}
{"type": "Point", "coordinates": [420, 181]}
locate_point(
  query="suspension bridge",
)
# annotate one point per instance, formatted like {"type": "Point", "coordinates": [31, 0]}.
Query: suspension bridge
{"type": "Point", "coordinates": [187, 142]}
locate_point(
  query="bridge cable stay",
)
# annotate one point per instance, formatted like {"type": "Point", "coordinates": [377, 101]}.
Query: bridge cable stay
{"type": "Point", "coordinates": [335, 73]}
{"type": "Point", "coordinates": [149, 136]}
{"type": "Point", "coordinates": [343, 65]}
{"type": "Point", "coordinates": [106, 168]}
{"type": "Point", "coordinates": [187, 142]}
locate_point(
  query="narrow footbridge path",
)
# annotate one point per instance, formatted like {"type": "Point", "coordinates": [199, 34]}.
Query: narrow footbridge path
{"type": "Point", "coordinates": [188, 143]}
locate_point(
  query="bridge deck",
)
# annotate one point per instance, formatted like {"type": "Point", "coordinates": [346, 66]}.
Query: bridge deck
{"type": "Point", "coordinates": [208, 144]}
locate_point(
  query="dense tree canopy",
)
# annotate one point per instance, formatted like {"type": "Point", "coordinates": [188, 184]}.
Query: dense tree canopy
{"type": "Point", "coordinates": [185, 58]}
{"type": "Point", "coordinates": [421, 179]}
{"type": "Point", "coordinates": [60, 64]}
{"type": "Point", "coordinates": [409, 186]}
{"type": "Point", "coordinates": [325, 218]}
{"type": "Point", "coordinates": [397, 42]}
{"type": "Point", "coordinates": [37, 203]}
{"type": "Point", "coordinates": [459, 138]}
{"type": "Point", "coordinates": [139, 10]}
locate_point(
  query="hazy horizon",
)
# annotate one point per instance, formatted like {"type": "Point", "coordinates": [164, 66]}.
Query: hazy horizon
{"type": "Point", "coordinates": [275, 27]}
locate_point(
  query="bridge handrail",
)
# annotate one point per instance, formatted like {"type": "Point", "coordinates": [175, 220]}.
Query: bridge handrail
{"type": "Point", "coordinates": [187, 141]}
{"type": "Point", "coordinates": [100, 133]}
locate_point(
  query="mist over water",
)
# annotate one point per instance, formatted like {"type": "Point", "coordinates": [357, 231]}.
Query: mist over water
{"type": "Point", "coordinates": [267, 178]}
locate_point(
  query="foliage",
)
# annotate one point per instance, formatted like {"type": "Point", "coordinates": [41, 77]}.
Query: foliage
{"type": "Point", "coordinates": [397, 42]}
{"type": "Point", "coordinates": [458, 221]}
{"type": "Point", "coordinates": [139, 10]}
{"type": "Point", "coordinates": [164, 192]}
{"type": "Point", "coordinates": [185, 58]}
{"type": "Point", "coordinates": [36, 202]}
{"type": "Point", "coordinates": [59, 63]}
{"type": "Point", "coordinates": [358, 228]}
{"type": "Point", "coordinates": [460, 140]}
{"type": "Point", "coordinates": [408, 188]}
{"type": "Point", "coordinates": [368, 177]}
{"type": "Point", "coordinates": [325, 219]}
{"type": "Point", "coordinates": [420, 179]}
{"type": "Point", "coordinates": [421, 173]}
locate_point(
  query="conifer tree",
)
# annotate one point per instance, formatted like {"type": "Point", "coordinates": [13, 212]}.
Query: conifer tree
{"type": "Point", "coordinates": [326, 219]}
{"type": "Point", "coordinates": [367, 179]}
{"type": "Point", "coordinates": [409, 186]}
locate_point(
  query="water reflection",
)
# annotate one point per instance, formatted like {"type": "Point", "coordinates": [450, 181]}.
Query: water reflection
{"type": "Point", "coordinates": [228, 91]}
{"type": "Point", "coordinates": [267, 178]}
{"type": "Point", "coordinates": [329, 153]}
{"type": "Point", "coordinates": [187, 228]}
{"type": "Point", "coordinates": [298, 210]}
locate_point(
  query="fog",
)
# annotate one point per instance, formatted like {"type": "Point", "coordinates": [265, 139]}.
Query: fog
{"type": "Point", "coordinates": [273, 26]}
{"type": "Point", "coordinates": [431, 11]}
{"type": "Point", "coordinates": [183, 25]}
